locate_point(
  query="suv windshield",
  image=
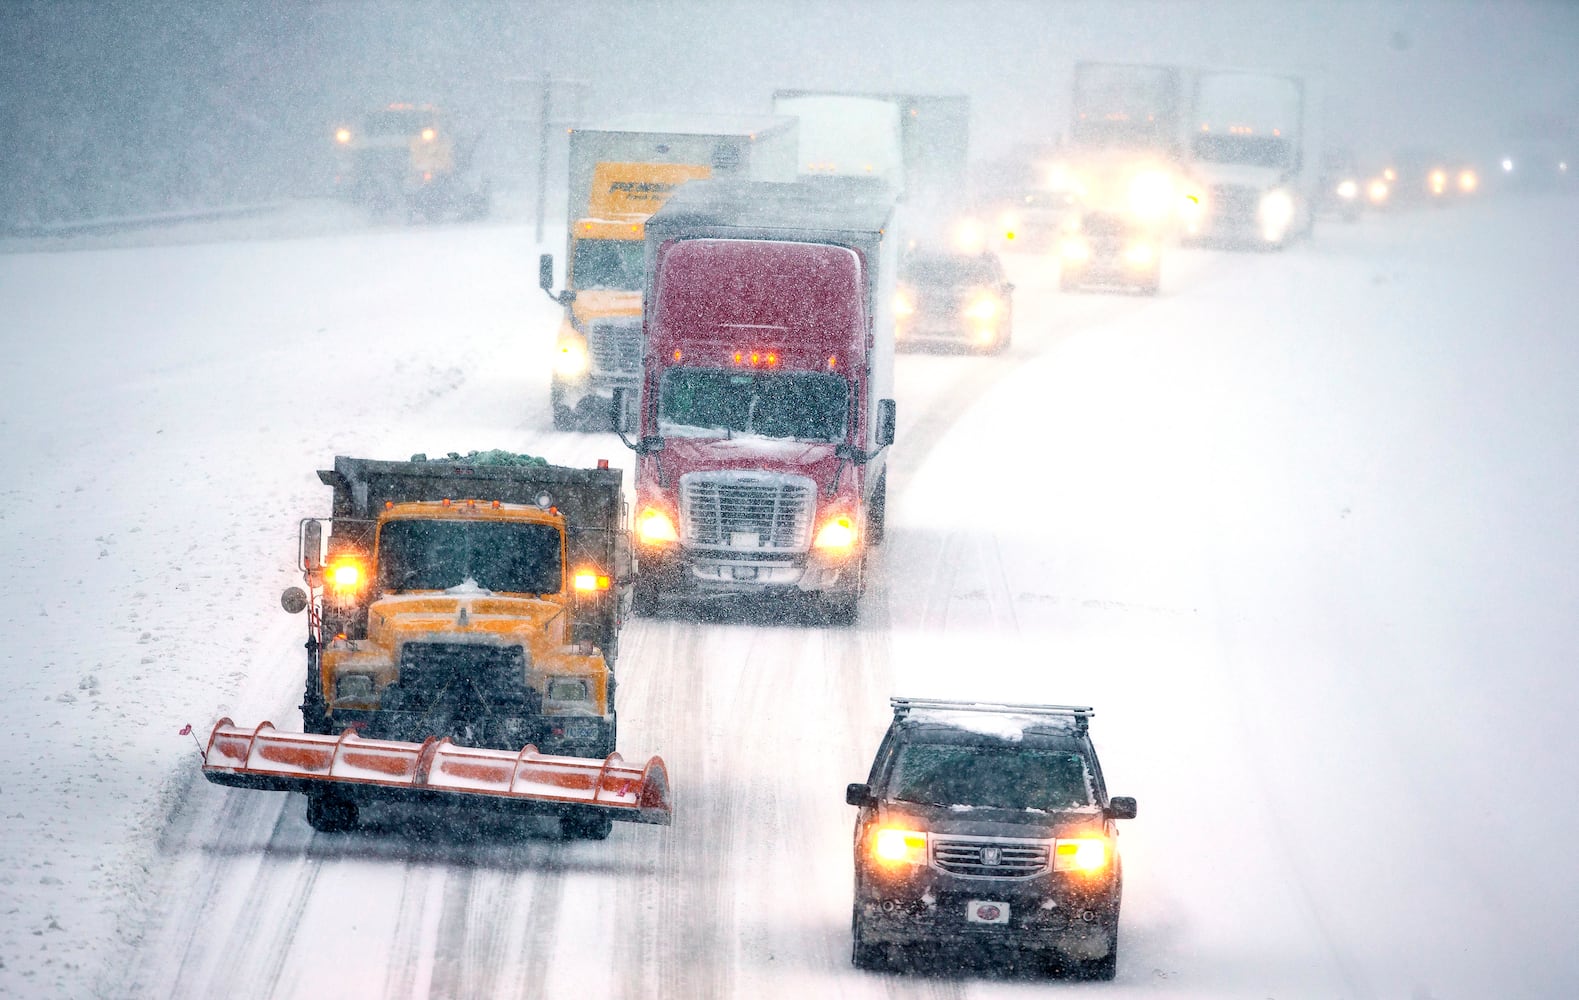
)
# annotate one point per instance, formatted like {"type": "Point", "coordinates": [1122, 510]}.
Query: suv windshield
{"type": "Point", "coordinates": [990, 776]}
{"type": "Point", "coordinates": [608, 264]}
{"type": "Point", "coordinates": [438, 555]}
{"type": "Point", "coordinates": [805, 406]}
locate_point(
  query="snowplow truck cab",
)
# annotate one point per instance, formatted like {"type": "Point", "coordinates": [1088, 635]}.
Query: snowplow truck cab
{"type": "Point", "coordinates": [478, 600]}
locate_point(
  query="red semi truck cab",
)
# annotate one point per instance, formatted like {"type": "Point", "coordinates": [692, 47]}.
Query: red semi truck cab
{"type": "Point", "coordinates": [766, 404]}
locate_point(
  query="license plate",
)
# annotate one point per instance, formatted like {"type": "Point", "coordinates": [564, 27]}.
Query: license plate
{"type": "Point", "coordinates": [745, 572]}
{"type": "Point", "coordinates": [986, 911]}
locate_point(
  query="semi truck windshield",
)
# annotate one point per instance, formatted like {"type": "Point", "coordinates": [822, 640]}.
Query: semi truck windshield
{"type": "Point", "coordinates": [1250, 150]}
{"type": "Point", "coordinates": [437, 555]}
{"type": "Point", "coordinates": [608, 264]}
{"type": "Point", "coordinates": [804, 406]}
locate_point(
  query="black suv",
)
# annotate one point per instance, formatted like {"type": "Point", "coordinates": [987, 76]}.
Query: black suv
{"type": "Point", "coordinates": [988, 824]}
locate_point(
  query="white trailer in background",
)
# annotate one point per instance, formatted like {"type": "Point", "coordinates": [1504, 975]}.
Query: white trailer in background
{"type": "Point", "coordinates": [1254, 156]}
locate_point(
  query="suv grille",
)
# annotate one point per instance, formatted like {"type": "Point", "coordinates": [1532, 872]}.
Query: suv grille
{"type": "Point", "coordinates": [717, 507]}
{"type": "Point", "coordinates": [614, 345]}
{"type": "Point", "coordinates": [974, 856]}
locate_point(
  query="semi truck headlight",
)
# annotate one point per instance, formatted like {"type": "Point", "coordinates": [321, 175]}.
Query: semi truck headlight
{"type": "Point", "coordinates": [654, 527]}
{"type": "Point", "coordinates": [1080, 854]}
{"type": "Point", "coordinates": [1377, 191]}
{"type": "Point", "coordinates": [570, 356]}
{"type": "Point", "coordinates": [892, 846]}
{"type": "Point", "coordinates": [1151, 195]}
{"type": "Point", "coordinates": [1277, 209]}
{"type": "Point", "coordinates": [837, 533]}
{"type": "Point", "coordinates": [904, 304]}
{"type": "Point", "coordinates": [1348, 190]}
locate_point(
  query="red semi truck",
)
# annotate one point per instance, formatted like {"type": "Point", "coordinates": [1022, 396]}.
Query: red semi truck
{"type": "Point", "coordinates": [766, 404]}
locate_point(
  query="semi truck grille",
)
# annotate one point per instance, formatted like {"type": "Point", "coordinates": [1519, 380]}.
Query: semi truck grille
{"type": "Point", "coordinates": [1231, 201]}
{"type": "Point", "coordinates": [989, 858]}
{"type": "Point", "coordinates": [751, 510]}
{"type": "Point", "coordinates": [614, 345]}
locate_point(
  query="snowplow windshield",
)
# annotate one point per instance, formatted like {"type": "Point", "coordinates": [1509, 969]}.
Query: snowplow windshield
{"type": "Point", "coordinates": [802, 406]}
{"type": "Point", "coordinates": [501, 557]}
{"type": "Point", "coordinates": [990, 777]}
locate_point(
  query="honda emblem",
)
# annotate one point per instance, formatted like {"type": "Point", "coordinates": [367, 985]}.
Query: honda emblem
{"type": "Point", "coordinates": [992, 856]}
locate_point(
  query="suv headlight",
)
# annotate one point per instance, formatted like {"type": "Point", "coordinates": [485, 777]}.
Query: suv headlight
{"type": "Point", "coordinates": [1080, 854]}
{"type": "Point", "coordinates": [893, 846]}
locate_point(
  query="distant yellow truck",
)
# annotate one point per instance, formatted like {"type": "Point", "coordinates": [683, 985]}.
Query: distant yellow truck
{"type": "Point", "coordinates": [621, 172]}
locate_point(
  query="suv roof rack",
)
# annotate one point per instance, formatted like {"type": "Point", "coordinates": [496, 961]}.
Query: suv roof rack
{"type": "Point", "coordinates": [1080, 713]}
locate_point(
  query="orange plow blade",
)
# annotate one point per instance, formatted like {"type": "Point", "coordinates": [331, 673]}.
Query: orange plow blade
{"type": "Point", "coordinates": [264, 758]}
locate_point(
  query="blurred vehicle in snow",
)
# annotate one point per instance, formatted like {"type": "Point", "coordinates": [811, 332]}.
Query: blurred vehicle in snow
{"type": "Point", "coordinates": [1110, 249]}
{"type": "Point", "coordinates": [621, 171]}
{"type": "Point", "coordinates": [953, 298]}
{"type": "Point", "coordinates": [1341, 189]}
{"type": "Point", "coordinates": [988, 825]}
{"type": "Point", "coordinates": [411, 158]}
{"type": "Point", "coordinates": [1254, 158]}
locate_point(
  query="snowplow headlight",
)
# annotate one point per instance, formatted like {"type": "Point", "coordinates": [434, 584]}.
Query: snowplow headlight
{"type": "Point", "coordinates": [654, 527]}
{"type": "Point", "coordinates": [344, 575]}
{"type": "Point", "coordinates": [1438, 181]}
{"type": "Point", "coordinates": [892, 846]}
{"type": "Point", "coordinates": [568, 689]}
{"type": "Point", "coordinates": [1080, 854]}
{"type": "Point", "coordinates": [1468, 181]}
{"type": "Point", "coordinates": [837, 533]}
{"type": "Point", "coordinates": [590, 581]}
{"type": "Point", "coordinates": [428, 135]}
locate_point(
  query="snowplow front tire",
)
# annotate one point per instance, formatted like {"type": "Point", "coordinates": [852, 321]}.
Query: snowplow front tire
{"type": "Point", "coordinates": [331, 813]}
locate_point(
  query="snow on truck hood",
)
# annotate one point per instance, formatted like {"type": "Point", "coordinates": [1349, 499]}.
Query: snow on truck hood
{"type": "Point", "coordinates": [695, 447]}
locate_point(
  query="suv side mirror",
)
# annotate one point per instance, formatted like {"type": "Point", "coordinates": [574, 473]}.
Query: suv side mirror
{"type": "Point", "coordinates": [858, 794]}
{"type": "Point", "coordinates": [885, 422]}
{"type": "Point", "coordinates": [1121, 807]}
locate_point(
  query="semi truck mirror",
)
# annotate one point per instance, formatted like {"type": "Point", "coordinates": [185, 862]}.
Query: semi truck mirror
{"type": "Point", "coordinates": [545, 273]}
{"type": "Point", "coordinates": [885, 422]}
{"type": "Point", "coordinates": [312, 545]}
{"type": "Point", "coordinates": [294, 600]}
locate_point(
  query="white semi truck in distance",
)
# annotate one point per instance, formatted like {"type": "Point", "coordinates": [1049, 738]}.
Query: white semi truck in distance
{"type": "Point", "coordinates": [1254, 158]}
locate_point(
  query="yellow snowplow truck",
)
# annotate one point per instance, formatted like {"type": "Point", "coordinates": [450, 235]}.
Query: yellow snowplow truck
{"type": "Point", "coordinates": [411, 157]}
{"type": "Point", "coordinates": [463, 623]}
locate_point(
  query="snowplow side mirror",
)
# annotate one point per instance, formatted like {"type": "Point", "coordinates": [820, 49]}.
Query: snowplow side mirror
{"type": "Point", "coordinates": [885, 422]}
{"type": "Point", "coordinates": [294, 600]}
{"type": "Point", "coordinates": [545, 273]}
{"type": "Point", "coordinates": [312, 545]}
{"type": "Point", "coordinates": [857, 794]}
{"type": "Point", "coordinates": [1121, 807]}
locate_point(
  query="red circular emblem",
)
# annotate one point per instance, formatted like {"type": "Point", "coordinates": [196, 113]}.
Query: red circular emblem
{"type": "Point", "coordinates": [988, 912]}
